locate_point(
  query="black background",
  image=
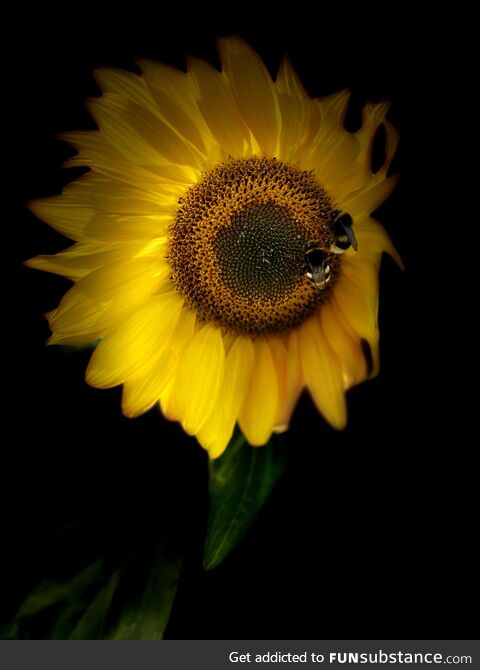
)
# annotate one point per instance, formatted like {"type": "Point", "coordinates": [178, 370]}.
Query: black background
{"type": "Point", "coordinates": [368, 535]}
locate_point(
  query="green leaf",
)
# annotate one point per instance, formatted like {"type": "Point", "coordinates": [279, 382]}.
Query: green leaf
{"type": "Point", "coordinates": [92, 623]}
{"type": "Point", "coordinates": [50, 591]}
{"type": "Point", "coordinates": [75, 348]}
{"type": "Point", "coordinates": [240, 483]}
{"type": "Point", "coordinates": [146, 618]}
{"type": "Point", "coordinates": [66, 621]}
{"type": "Point", "coordinates": [130, 600]}
{"type": "Point", "coordinates": [10, 631]}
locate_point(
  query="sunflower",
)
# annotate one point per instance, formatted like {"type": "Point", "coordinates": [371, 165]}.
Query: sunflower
{"type": "Point", "coordinates": [225, 256]}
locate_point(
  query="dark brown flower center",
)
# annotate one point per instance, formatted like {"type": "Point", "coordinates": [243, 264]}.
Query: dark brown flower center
{"type": "Point", "coordinates": [261, 252]}
{"type": "Point", "coordinates": [239, 241]}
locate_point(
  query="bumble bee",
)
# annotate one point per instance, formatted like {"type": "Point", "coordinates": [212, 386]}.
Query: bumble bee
{"type": "Point", "coordinates": [318, 269]}
{"type": "Point", "coordinates": [343, 235]}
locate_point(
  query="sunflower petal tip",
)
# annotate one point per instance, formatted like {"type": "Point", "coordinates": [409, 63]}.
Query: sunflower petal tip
{"type": "Point", "coordinates": [231, 43]}
{"type": "Point", "coordinates": [215, 451]}
{"type": "Point", "coordinates": [145, 65]}
{"type": "Point", "coordinates": [393, 253]}
{"type": "Point", "coordinates": [34, 206]}
{"type": "Point", "coordinates": [339, 422]}
{"type": "Point", "coordinates": [97, 73]}
{"type": "Point", "coordinates": [96, 380]}
{"type": "Point", "coordinates": [89, 378]}
{"type": "Point", "coordinates": [398, 260]}
{"type": "Point", "coordinates": [31, 263]}
{"type": "Point", "coordinates": [91, 374]}
{"type": "Point", "coordinates": [129, 412]}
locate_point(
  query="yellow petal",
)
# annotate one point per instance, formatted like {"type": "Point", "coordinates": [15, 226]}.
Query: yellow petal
{"type": "Point", "coordinates": [67, 218]}
{"type": "Point", "coordinates": [89, 337]}
{"type": "Point", "coordinates": [377, 187]}
{"type": "Point", "coordinates": [259, 411]}
{"type": "Point", "coordinates": [115, 197]}
{"type": "Point", "coordinates": [373, 115]}
{"type": "Point", "coordinates": [173, 93]}
{"type": "Point", "coordinates": [105, 297]}
{"type": "Point", "coordinates": [169, 402]}
{"type": "Point", "coordinates": [78, 319]}
{"type": "Point", "coordinates": [124, 84]}
{"type": "Point", "coordinates": [252, 87]}
{"type": "Point", "coordinates": [133, 344]}
{"type": "Point", "coordinates": [217, 431]}
{"type": "Point", "coordinates": [356, 298]}
{"type": "Point", "coordinates": [288, 81]}
{"type": "Point", "coordinates": [80, 259]}
{"type": "Point", "coordinates": [286, 356]}
{"type": "Point", "coordinates": [295, 110]}
{"type": "Point", "coordinates": [143, 389]}
{"type": "Point", "coordinates": [199, 378]}
{"type": "Point", "coordinates": [333, 108]}
{"type": "Point", "coordinates": [374, 240]}
{"type": "Point", "coordinates": [139, 134]}
{"type": "Point", "coordinates": [101, 156]}
{"type": "Point", "coordinates": [365, 201]}
{"type": "Point", "coordinates": [174, 83]}
{"type": "Point", "coordinates": [345, 345]}
{"type": "Point", "coordinates": [322, 373]}
{"type": "Point", "coordinates": [369, 347]}
{"type": "Point", "coordinates": [362, 270]}
{"type": "Point", "coordinates": [219, 109]}
{"type": "Point", "coordinates": [125, 282]}
{"type": "Point", "coordinates": [391, 145]}
{"type": "Point", "coordinates": [333, 158]}
{"type": "Point", "coordinates": [335, 154]}
{"type": "Point", "coordinates": [82, 222]}
{"type": "Point", "coordinates": [127, 228]}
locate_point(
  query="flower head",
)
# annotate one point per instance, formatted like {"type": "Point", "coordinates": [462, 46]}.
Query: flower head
{"type": "Point", "coordinates": [225, 255]}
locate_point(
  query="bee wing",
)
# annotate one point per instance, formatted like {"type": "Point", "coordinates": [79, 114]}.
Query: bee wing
{"type": "Point", "coordinates": [351, 237]}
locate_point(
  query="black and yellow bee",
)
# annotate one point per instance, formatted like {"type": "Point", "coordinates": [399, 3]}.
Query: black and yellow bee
{"type": "Point", "coordinates": [318, 269]}
{"type": "Point", "coordinates": [343, 235]}
{"type": "Point", "coordinates": [316, 259]}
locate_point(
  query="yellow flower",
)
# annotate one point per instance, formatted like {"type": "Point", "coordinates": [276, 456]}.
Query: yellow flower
{"type": "Point", "coordinates": [224, 254]}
